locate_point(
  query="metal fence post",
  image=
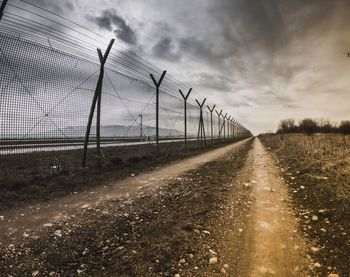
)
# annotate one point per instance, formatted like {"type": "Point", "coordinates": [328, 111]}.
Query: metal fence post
{"type": "Point", "coordinates": [185, 112]}
{"type": "Point", "coordinates": [211, 123]}
{"type": "Point", "coordinates": [141, 127]}
{"type": "Point", "coordinates": [233, 129]}
{"type": "Point", "coordinates": [157, 85]}
{"type": "Point", "coordinates": [224, 124]}
{"type": "Point", "coordinates": [2, 8]}
{"type": "Point", "coordinates": [219, 122]}
{"type": "Point", "coordinates": [201, 129]}
{"type": "Point", "coordinates": [230, 122]}
{"type": "Point", "coordinates": [97, 100]}
{"type": "Point", "coordinates": [228, 127]}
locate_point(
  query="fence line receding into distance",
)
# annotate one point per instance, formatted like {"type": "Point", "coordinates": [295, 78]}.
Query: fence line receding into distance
{"type": "Point", "coordinates": [63, 105]}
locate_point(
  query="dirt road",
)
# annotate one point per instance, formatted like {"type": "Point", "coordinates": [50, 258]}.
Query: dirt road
{"type": "Point", "coordinates": [18, 221]}
{"type": "Point", "coordinates": [276, 249]}
{"type": "Point", "coordinates": [223, 213]}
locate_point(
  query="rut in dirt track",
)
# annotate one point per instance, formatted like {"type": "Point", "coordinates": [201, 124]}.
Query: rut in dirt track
{"type": "Point", "coordinates": [276, 249]}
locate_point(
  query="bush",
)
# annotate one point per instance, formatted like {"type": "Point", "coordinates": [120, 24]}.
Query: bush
{"type": "Point", "coordinates": [308, 126]}
{"type": "Point", "coordinates": [344, 127]}
{"type": "Point", "coordinates": [287, 126]}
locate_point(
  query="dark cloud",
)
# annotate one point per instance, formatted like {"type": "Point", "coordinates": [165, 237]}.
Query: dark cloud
{"type": "Point", "coordinates": [59, 6]}
{"type": "Point", "coordinates": [195, 47]}
{"type": "Point", "coordinates": [111, 21]}
{"type": "Point", "coordinates": [215, 82]}
{"type": "Point", "coordinates": [269, 25]}
{"type": "Point", "coordinates": [272, 53]}
{"type": "Point", "coordinates": [165, 49]}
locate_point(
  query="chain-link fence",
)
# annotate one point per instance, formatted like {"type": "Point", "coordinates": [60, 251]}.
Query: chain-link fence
{"type": "Point", "coordinates": [49, 80]}
{"type": "Point", "coordinates": [45, 101]}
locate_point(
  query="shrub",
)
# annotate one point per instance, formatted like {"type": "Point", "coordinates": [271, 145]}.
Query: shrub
{"type": "Point", "coordinates": [308, 126]}
{"type": "Point", "coordinates": [287, 126]}
{"type": "Point", "coordinates": [344, 127]}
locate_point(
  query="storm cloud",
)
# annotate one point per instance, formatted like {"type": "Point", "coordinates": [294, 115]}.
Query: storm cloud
{"type": "Point", "coordinates": [261, 61]}
{"type": "Point", "coordinates": [59, 6]}
{"type": "Point", "coordinates": [111, 21]}
{"type": "Point", "coordinates": [164, 48]}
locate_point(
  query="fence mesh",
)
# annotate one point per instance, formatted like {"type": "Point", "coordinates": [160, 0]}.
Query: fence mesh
{"type": "Point", "coordinates": [45, 101]}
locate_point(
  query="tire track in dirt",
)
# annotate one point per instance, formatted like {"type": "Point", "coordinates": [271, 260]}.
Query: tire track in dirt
{"type": "Point", "coordinates": [276, 248]}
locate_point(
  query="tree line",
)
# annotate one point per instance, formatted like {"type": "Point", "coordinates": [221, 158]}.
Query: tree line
{"type": "Point", "coordinates": [311, 126]}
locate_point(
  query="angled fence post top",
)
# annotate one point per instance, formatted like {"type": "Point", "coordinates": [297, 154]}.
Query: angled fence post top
{"type": "Point", "coordinates": [185, 112]}
{"type": "Point", "coordinates": [104, 57]}
{"type": "Point", "coordinates": [211, 109]}
{"type": "Point", "coordinates": [2, 8]}
{"type": "Point", "coordinates": [201, 105]}
{"type": "Point", "coordinates": [187, 95]}
{"type": "Point", "coordinates": [218, 113]}
{"type": "Point", "coordinates": [157, 84]}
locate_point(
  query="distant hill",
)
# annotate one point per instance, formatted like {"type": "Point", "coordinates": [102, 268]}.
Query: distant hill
{"type": "Point", "coordinates": [121, 131]}
{"type": "Point", "coordinates": [106, 131]}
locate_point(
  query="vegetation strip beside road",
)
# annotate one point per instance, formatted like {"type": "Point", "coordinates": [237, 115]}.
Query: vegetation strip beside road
{"type": "Point", "coordinates": [121, 162]}
{"type": "Point", "coordinates": [317, 170]}
{"type": "Point", "coordinates": [178, 228]}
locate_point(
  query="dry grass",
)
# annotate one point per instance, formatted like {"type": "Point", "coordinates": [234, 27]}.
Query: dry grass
{"type": "Point", "coordinates": [317, 170]}
{"type": "Point", "coordinates": [324, 156]}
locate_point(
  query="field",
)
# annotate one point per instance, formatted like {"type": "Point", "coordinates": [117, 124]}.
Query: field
{"type": "Point", "coordinates": [317, 170]}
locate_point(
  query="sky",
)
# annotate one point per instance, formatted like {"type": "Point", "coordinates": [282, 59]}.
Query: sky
{"type": "Point", "coordinates": [260, 60]}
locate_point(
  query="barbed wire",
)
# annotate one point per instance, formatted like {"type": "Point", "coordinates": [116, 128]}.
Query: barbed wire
{"type": "Point", "coordinates": [71, 37]}
{"type": "Point", "coordinates": [147, 65]}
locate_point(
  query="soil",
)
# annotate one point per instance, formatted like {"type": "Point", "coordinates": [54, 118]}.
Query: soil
{"type": "Point", "coordinates": [18, 220]}
{"type": "Point", "coordinates": [277, 248]}
{"type": "Point", "coordinates": [228, 212]}
{"type": "Point", "coordinates": [161, 231]}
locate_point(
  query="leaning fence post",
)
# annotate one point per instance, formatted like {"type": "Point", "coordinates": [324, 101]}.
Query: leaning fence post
{"type": "Point", "coordinates": [2, 8]}
{"type": "Point", "coordinates": [185, 112]}
{"type": "Point", "coordinates": [222, 125]}
{"type": "Point", "coordinates": [201, 129]}
{"type": "Point", "coordinates": [157, 85]}
{"type": "Point", "coordinates": [97, 99]}
{"type": "Point", "coordinates": [211, 122]}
